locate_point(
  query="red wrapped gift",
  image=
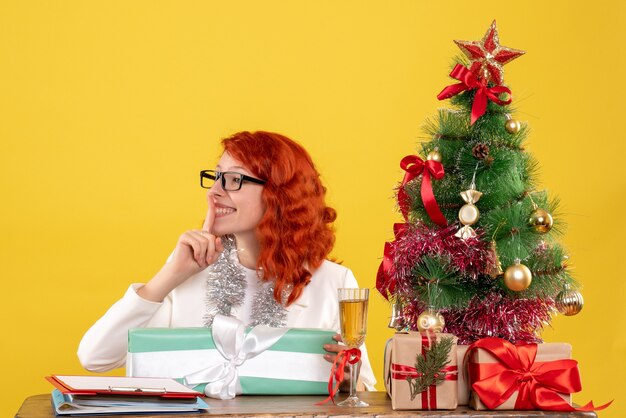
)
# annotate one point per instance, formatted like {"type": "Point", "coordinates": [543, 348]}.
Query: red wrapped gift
{"type": "Point", "coordinates": [409, 385]}
{"type": "Point", "coordinates": [523, 376]}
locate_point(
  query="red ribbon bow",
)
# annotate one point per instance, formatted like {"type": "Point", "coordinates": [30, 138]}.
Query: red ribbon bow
{"type": "Point", "coordinates": [538, 383]}
{"type": "Point", "coordinates": [352, 356]}
{"type": "Point", "coordinates": [385, 280]}
{"type": "Point", "coordinates": [414, 166]}
{"type": "Point", "coordinates": [470, 81]}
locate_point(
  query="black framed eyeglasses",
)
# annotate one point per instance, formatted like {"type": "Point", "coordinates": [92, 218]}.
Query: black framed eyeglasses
{"type": "Point", "coordinates": [231, 181]}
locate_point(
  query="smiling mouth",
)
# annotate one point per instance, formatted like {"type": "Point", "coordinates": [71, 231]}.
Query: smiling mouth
{"type": "Point", "coordinates": [224, 211]}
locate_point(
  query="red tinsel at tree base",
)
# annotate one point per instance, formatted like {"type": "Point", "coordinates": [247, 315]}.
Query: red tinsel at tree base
{"type": "Point", "coordinates": [515, 320]}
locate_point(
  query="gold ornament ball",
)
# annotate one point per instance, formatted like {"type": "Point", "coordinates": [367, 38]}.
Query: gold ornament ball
{"type": "Point", "coordinates": [541, 221]}
{"type": "Point", "coordinates": [569, 302]}
{"type": "Point", "coordinates": [512, 126]}
{"type": "Point", "coordinates": [517, 277]}
{"type": "Point", "coordinates": [434, 156]}
{"type": "Point", "coordinates": [430, 320]}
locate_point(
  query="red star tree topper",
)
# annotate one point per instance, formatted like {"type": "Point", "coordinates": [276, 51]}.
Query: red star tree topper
{"type": "Point", "coordinates": [488, 56]}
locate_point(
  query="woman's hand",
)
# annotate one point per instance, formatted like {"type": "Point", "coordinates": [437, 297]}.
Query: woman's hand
{"type": "Point", "coordinates": [334, 350]}
{"type": "Point", "coordinates": [195, 251]}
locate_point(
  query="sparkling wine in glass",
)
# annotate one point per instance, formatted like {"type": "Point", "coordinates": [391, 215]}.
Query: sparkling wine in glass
{"type": "Point", "coordinates": [353, 319]}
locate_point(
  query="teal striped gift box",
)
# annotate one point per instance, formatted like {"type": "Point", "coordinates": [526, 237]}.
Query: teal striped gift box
{"type": "Point", "coordinates": [293, 365]}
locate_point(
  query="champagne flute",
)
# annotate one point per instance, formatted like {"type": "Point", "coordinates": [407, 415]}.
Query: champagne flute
{"type": "Point", "coordinates": [353, 319]}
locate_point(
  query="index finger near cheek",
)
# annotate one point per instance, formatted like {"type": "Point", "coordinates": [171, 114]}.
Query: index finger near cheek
{"type": "Point", "coordinates": [210, 215]}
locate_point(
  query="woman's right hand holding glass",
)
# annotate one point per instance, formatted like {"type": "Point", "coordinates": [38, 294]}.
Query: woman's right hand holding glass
{"type": "Point", "coordinates": [195, 251]}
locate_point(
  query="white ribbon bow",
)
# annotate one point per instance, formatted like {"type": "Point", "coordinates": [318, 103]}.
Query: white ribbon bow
{"type": "Point", "coordinates": [228, 335]}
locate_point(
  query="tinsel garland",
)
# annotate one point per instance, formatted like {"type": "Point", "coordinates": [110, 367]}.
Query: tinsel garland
{"type": "Point", "coordinates": [492, 315]}
{"type": "Point", "coordinates": [226, 288]}
{"type": "Point", "coordinates": [471, 257]}
{"type": "Point", "coordinates": [486, 315]}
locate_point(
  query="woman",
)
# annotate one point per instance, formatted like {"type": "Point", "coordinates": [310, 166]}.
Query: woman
{"type": "Point", "coordinates": [260, 256]}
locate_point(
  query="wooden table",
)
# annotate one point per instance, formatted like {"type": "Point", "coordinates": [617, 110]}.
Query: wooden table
{"type": "Point", "coordinates": [39, 406]}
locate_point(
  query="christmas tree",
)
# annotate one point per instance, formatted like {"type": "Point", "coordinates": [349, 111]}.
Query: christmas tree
{"type": "Point", "coordinates": [477, 255]}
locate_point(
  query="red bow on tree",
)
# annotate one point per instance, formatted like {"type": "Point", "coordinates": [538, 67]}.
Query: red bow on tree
{"type": "Point", "coordinates": [385, 278]}
{"type": "Point", "coordinates": [538, 383]}
{"type": "Point", "coordinates": [470, 81]}
{"type": "Point", "coordinates": [414, 166]}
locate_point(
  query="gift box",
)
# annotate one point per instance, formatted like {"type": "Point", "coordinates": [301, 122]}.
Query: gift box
{"type": "Point", "coordinates": [387, 366]}
{"type": "Point", "coordinates": [521, 377]}
{"type": "Point", "coordinates": [464, 388]}
{"type": "Point", "coordinates": [228, 360]}
{"type": "Point", "coordinates": [413, 385]}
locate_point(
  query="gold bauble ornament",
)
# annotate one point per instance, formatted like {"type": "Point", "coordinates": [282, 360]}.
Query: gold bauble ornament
{"type": "Point", "coordinates": [517, 277]}
{"type": "Point", "coordinates": [430, 320]}
{"type": "Point", "coordinates": [569, 302]}
{"type": "Point", "coordinates": [512, 126]}
{"type": "Point", "coordinates": [434, 155]}
{"type": "Point", "coordinates": [541, 220]}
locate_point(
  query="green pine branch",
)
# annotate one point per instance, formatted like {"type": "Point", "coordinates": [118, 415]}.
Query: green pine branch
{"type": "Point", "coordinates": [449, 125]}
{"type": "Point", "coordinates": [430, 366]}
{"type": "Point", "coordinates": [551, 272]}
{"type": "Point", "coordinates": [439, 284]}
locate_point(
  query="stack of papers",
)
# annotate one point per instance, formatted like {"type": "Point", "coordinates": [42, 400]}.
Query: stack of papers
{"type": "Point", "coordinates": [83, 395]}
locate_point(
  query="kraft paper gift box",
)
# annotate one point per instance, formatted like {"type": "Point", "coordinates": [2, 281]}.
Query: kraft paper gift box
{"type": "Point", "coordinates": [387, 366]}
{"type": "Point", "coordinates": [463, 384]}
{"type": "Point", "coordinates": [400, 372]}
{"type": "Point", "coordinates": [463, 392]}
{"type": "Point", "coordinates": [227, 360]}
{"type": "Point", "coordinates": [545, 353]}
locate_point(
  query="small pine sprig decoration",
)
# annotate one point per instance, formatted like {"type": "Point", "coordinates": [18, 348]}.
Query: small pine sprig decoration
{"type": "Point", "coordinates": [430, 366]}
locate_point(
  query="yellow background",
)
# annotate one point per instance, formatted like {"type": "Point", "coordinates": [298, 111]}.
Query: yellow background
{"type": "Point", "coordinates": [110, 108]}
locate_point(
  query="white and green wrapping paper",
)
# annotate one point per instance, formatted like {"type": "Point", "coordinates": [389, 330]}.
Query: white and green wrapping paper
{"type": "Point", "coordinates": [227, 360]}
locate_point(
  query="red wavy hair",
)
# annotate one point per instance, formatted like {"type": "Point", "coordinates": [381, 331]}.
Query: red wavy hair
{"type": "Point", "coordinates": [295, 232]}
